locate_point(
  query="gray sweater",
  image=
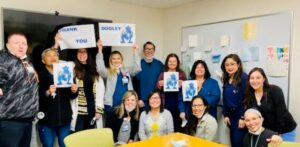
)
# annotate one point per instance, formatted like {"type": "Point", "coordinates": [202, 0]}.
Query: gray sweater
{"type": "Point", "coordinates": [112, 80]}
{"type": "Point", "coordinates": [164, 121]}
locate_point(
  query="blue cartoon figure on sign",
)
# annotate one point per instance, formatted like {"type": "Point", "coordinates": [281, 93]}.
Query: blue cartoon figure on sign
{"type": "Point", "coordinates": [64, 76]}
{"type": "Point", "coordinates": [190, 91]}
{"type": "Point", "coordinates": [171, 82]}
{"type": "Point", "coordinates": [127, 35]}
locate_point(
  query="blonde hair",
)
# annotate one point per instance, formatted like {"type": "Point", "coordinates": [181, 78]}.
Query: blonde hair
{"type": "Point", "coordinates": [112, 70]}
{"type": "Point", "coordinates": [120, 110]}
{"type": "Point", "coordinates": [48, 50]}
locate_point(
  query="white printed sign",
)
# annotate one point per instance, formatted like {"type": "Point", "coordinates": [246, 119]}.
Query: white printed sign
{"type": "Point", "coordinates": [189, 89]}
{"type": "Point", "coordinates": [171, 81]}
{"type": "Point", "coordinates": [117, 34]}
{"type": "Point", "coordinates": [77, 36]}
{"type": "Point", "coordinates": [63, 74]}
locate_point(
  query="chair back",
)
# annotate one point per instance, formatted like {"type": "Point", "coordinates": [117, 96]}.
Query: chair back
{"type": "Point", "coordinates": [288, 144]}
{"type": "Point", "coordinates": [102, 137]}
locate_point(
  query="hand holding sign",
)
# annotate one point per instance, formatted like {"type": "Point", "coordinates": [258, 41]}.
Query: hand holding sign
{"type": "Point", "coordinates": [57, 38]}
{"type": "Point", "coordinates": [135, 48]}
{"type": "Point", "coordinates": [100, 46]}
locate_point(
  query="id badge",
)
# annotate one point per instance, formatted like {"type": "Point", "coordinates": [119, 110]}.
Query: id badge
{"type": "Point", "coordinates": [125, 128]}
{"type": "Point", "coordinates": [124, 80]}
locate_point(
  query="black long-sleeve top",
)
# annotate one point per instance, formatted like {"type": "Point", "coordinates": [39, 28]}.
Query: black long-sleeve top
{"type": "Point", "coordinates": [57, 109]}
{"type": "Point", "coordinates": [273, 108]}
{"type": "Point", "coordinates": [114, 122]}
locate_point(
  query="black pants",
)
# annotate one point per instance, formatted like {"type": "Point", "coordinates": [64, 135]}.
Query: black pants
{"type": "Point", "coordinates": [15, 133]}
{"type": "Point", "coordinates": [83, 122]}
{"type": "Point", "coordinates": [176, 120]}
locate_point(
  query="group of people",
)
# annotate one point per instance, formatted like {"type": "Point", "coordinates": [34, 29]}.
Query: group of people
{"type": "Point", "coordinates": [254, 110]}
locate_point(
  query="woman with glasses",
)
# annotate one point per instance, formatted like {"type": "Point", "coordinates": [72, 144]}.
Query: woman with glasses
{"type": "Point", "coordinates": [200, 123]}
{"type": "Point", "coordinates": [155, 120]}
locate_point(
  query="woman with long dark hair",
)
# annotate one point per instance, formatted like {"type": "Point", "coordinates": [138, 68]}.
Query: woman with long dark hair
{"type": "Point", "coordinates": [207, 87]}
{"type": "Point", "coordinates": [200, 122]}
{"type": "Point", "coordinates": [88, 107]}
{"type": "Point", "coordinates": [173, 100]}
{"type": "Point", "coordinates": [269, 100]}
{"type": "Point", "coordinates": [234, 85]}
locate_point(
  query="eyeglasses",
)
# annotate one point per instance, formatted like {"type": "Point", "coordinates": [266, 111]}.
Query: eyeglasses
{"type": "Point", "coordinates": [148, 49]}
{"type": "Point", "coordinates": [197, 106]}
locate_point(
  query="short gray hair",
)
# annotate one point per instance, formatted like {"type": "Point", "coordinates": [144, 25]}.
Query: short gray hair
{"type": "Point", "coordinates": [48, 50]}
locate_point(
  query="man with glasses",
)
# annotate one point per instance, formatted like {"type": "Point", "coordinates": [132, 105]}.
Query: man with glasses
{"type": "Point", "coordinates": [18, 93]}
{"type": "Point", "coordinates": [147, 78]}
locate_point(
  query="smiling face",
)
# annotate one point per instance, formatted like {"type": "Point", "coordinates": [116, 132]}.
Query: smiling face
{"type": "Point", "coordinates": [50, 58]}
{"type": "Point", "coordinates": [17, 45]}
{"type": "Point", "coordinates": [200, 70]}
{"type": "Point", "coordinates": [172, 63]}
{"type": "Point", "coordinates": [155, 101]}
{"type": "Point", "coordinates": [82, 56]}
{"type": "Point", "coordinates": [253, 121]}
{"type": "Point", "coordinates": [198, 107]}
{"type": "Point", "coordinates": [149, 51]}
{"type": "Point", "coordinates": [256, 80]}
{"type": "Point", "coordinates": [116, 60]}
{"type": "Point", "coordinates": [130, 103]}
{"type": "Point", "coordinates": [231, 66]}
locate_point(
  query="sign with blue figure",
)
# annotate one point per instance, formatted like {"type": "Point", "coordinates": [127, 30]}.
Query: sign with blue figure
{"type": "Point", "coordinates": [117, 34]}
{"type": "Point", "coordinates": [63, 74]}
{"type": "Point", "coordinates": [171, 81]}
{"type": "Point", "coordinates": [77, 36]}
{"type": "Point", "coordinates": [189, 89]}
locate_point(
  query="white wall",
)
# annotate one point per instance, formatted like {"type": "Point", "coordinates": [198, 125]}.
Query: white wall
{"type": "Point", "coordinates": [149, 22]}
{"type": "Point", "coordinates": [163, 27]}
{"type": "Point", "coordinates": [206, 11]}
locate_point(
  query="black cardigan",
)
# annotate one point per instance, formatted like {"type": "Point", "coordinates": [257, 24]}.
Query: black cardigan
{"type": "Point", "coordinates": [57, 109]}
{"type": "Point", "coordinates": [273, 108]}
{"type": "Point", "coordinates": [114, 122]}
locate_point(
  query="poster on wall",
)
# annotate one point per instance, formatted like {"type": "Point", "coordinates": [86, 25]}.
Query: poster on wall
{"type": "Point", "coordinates": [117, 34]}
{"type": "Point", "coordinates": [277, 61]}
{"type": "Point", "coordinates": [250, 54]}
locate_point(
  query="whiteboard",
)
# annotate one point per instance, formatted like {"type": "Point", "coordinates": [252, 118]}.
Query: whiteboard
{"type": "Point", "coordinates": [252, 38]}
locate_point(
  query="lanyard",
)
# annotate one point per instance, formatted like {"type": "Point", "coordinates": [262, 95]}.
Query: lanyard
{"type": "Point", "coordinates": [256, 140]}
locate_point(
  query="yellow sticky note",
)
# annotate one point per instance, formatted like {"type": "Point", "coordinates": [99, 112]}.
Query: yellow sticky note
{"type": "Point", "coordinates": [249, 30]}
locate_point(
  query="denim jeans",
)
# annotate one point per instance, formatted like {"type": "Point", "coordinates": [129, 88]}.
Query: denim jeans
{"type": "Point", "coordinates": [289, 136]}
{"type": "Point", "coordinates": [47, 134]}
{"type": "Point", "coordinates": [15, 133]}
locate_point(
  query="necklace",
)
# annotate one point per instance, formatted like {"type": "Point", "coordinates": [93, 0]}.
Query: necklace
{"type": "Point", "coordinates": [256, 140]}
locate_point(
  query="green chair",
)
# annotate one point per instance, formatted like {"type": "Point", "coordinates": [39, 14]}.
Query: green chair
{"type": "Point", "coordinates": [91, 138]}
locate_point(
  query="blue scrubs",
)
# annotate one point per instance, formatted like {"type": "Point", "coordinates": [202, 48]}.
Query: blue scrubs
{"type": "Point", "coordinates": [233, 97]}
